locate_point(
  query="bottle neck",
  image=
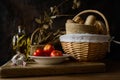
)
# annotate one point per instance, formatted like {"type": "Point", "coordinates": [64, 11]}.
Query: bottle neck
{"type": "Point", "coordinates": [21, 30]}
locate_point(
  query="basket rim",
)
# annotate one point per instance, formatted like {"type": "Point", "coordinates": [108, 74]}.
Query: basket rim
{"type": "Point", "coordinates": [84, 38]}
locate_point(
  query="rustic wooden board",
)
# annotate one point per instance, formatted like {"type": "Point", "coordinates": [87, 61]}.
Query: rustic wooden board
{"type": "Point", "coordinates": [34, 69]}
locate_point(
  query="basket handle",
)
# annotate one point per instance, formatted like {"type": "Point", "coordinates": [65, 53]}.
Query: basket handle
{"type": "Point", "coordinates": [95, 11]}
{"type": "Point", "coordinates": [33, 34]}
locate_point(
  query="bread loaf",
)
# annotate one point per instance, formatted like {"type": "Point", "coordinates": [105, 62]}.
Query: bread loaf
{"type": "Point", "coordinates": [90, 20]}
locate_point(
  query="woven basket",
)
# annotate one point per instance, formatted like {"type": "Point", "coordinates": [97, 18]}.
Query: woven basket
{"type": "Point", "coordinates": [85, 47]}
{"type": "Point", "coordinates": [33, 46]}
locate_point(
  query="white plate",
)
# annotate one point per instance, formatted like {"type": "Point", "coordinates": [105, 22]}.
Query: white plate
{"type": "Point", "coordinates": [49, 60]}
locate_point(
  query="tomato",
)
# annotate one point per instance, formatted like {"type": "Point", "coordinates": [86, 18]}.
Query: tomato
{"type": "Point", "coordinates": [38, 52]}
{"type": "Point", "coordinates": [48, 48]}
{"type": "Point", "coordinates": [56, 53]}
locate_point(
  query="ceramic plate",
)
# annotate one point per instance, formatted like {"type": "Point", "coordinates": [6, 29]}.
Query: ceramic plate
{"type": "Point", "coordinates": [50, 60]}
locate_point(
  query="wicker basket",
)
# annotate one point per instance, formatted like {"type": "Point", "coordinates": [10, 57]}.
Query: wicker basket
{"type": "Point", "coordinates": [85, 47]}
{"type": "Point", "coordinates": [33, 46]}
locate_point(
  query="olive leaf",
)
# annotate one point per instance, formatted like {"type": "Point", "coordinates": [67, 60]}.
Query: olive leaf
{"type": "Point", "coordinates": [44, 36]}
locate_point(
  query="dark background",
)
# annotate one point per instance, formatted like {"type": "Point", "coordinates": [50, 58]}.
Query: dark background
{"type": "Point", "coordinates": [23, 12]}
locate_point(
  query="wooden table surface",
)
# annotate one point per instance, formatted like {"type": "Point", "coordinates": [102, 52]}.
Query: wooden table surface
{"type": "Point", "coordinates": [112, 73]}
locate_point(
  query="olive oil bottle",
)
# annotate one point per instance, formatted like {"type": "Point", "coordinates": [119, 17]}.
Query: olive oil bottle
{"type": "Point", "coordinates": [19, 41]}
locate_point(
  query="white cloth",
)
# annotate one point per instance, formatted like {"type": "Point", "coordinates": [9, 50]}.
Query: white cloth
{"type": "Point", "coordinates": [84, 38]}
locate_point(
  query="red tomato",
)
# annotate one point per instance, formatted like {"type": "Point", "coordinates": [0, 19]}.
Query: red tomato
{"type": "Point", "coordinates": [48, 48]}
{"type": "Point", "coordinates": [56, 53]}
{"type": "Point", "coordinates": [38, 52]}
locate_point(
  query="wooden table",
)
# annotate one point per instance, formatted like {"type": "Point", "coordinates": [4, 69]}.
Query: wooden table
{"type": "Point", "coordinates": [112, 73]}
